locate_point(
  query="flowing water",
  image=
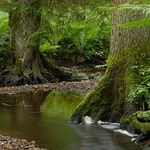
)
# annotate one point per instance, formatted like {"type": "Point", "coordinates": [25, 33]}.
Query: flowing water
{"type": "Point", "coordinates": [43, 117]}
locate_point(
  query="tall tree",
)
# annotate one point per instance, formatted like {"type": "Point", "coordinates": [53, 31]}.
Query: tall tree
{"type": "Point", "coordinates": [129, 53]}
{"type": "Point", "coordinates": [30, 66]}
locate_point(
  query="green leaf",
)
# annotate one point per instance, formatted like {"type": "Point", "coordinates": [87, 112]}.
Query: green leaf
{"type": "Point", "coordinates": [3, 22]}
{"type": "Point", "coordinates": [138, 23]}
{"type": "Point", "coordinates": [48, 47]}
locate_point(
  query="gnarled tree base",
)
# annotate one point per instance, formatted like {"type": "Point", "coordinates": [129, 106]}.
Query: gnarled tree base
{"type": "Point", "coordinates": [7, 78]}
{"type": "Point", "coordinates": [41, 71]}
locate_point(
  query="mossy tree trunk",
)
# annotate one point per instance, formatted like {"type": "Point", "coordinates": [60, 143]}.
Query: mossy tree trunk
{"type": "Point", "coordinates": [129, 48]}
{"type": "Point", "coordinates": [30, 66]}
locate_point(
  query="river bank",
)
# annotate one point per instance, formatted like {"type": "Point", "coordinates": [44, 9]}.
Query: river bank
{"type": "Point", "coordinates": [12, 143]}
{"type": "Point", "coordinates": [83, 86]}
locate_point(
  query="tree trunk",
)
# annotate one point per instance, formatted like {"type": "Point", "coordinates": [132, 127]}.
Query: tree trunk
{"type": "Point", "coordinates": [30, 66]}
{"type": "Point", "coordinates": [122, 38]}
{"type": "Point", "coordinates": [129, 49]}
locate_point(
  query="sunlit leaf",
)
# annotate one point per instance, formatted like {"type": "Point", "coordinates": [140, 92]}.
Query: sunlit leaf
{"type": "Point", "coordinates": [3, 22]}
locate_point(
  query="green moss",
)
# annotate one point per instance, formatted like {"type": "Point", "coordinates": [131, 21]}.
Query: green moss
{"type": "Point", "coordinates": [143, 115]}
{"type": "Point", "coordinates": [119, 100]}
{"type": "Point", "coordinates": [132, 121]}
{"type": "Point", "coordinates": [81, 109]}
{"type": "Point", "coordinates": [134, 124]}
{"type": "Point", "coordinates": [95, 99]}
{"type": "Point", "coordinates": [17, 69]}
{"type": "Point", "coordinates": [128, 63]}
{"type": "Point", "coordinates": [121, 93]}
{"type": "Point", "coordinates": [113, 89]}
{"type": "Point", "coordinates": [14, 19]}
{"type": "Point", "coordinates": [145, 127]}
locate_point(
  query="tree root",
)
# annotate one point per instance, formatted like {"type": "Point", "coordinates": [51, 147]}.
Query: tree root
{"type": "Point", "coordinates": [9, 79]}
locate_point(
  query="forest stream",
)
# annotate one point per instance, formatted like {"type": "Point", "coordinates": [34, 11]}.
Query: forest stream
{"type": "Point", "coordinates": [42, 116]}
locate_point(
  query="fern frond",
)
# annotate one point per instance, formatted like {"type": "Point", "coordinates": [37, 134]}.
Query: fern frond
{"type": "Point", "coordinates": [138, 23]}
{"type": "Point", "coordinates": [3, 22]}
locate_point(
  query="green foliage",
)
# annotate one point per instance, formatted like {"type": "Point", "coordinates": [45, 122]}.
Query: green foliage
{"type": "Point", "coordinates": [3, 43]}
{"type": "Point", "coordinates": [138, 23]}
{"type": "Point", "coordinates": [80, 34]}
{"type": "Point", "coordinates": [143, 8]}
{"type": "Point", "coordinates": [48, 48]}
{"type": "Point", "coordinates": [3, 36]}
{"type": "Point", "coordinates": [3, 22]}
{"type": "Point", "coordinates": [143, 115]}
{"type": "Point", "coordinates": [80, 31]}
{"type": "Point", "coordinates": [133, 66]}
{"type": "Point", "coordinates": [140, 93]}
{"type": "Point", "coordinates": [7, 5]}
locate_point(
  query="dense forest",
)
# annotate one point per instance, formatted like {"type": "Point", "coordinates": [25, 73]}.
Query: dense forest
{"type": "Point", "coordinates": [38, 35]}
{"type": "Point", "coordinates": [64, 32]}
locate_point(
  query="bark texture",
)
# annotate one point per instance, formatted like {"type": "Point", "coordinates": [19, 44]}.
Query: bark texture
{"type": "Point", "coordinates": [122, 38]}
{"type": "Point", "coordinates": [109, 100]}
{"type": "Point", "coordinates": [30, 66]}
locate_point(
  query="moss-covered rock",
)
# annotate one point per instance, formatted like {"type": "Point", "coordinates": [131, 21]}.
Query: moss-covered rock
{"type": "Point", "coordinates": [131, 123]}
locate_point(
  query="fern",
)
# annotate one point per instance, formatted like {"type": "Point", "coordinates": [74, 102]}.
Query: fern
{"type": "Point", "coordinates": [47, 48]}
{"type": "Point", "coordinates": [81, 33]}
{"type": "Point", "coordinates": [144, 8]}
{"type": "Point", "coordinates": [3, 22]}
{"type": "Point", "coordinates": [140, 93]}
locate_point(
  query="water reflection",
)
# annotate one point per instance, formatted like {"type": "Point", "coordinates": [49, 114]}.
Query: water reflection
{"type": "Point", "coordinates": [27, 101]}
{"type": "Point", "coordinates": [42, 116]}
{"type": "Point", "coordinates": [61, 104]}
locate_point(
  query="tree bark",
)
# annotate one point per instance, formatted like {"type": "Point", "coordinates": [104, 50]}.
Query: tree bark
{"type": "Point", "coordinates": [30, 66]}
{"type": "Point", "coordinates": [109, 100]}
{"type": "Point", "coordinates": [122, 38]}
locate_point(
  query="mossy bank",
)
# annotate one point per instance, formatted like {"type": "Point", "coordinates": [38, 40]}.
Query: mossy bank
{"type": "Point", "coordinates": [114, 99]}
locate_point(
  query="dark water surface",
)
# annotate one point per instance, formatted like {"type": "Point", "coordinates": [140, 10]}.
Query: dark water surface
{"type": "Point", "coordinates": [43, 117]}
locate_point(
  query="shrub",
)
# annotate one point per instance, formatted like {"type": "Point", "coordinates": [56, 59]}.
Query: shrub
{"type": "Point", "coordinates": [3, 37]}
{"type": "Point", "coordinates": [140, 93]}
{"type": "Point", "coordinates": [78, 31]}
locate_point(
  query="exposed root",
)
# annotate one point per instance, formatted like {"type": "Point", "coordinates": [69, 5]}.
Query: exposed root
{"type": "Point", "coordinates": [9, 79]}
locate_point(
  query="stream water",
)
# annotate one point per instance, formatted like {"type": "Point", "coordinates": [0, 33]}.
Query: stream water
{"type": "Point", "coordinates": [43, 117]}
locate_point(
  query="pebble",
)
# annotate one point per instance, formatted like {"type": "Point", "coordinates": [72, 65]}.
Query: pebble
{"type": "Point", "coordinates": [83, 86]}
{"type": "Point", "coordinates": [11, 143]}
